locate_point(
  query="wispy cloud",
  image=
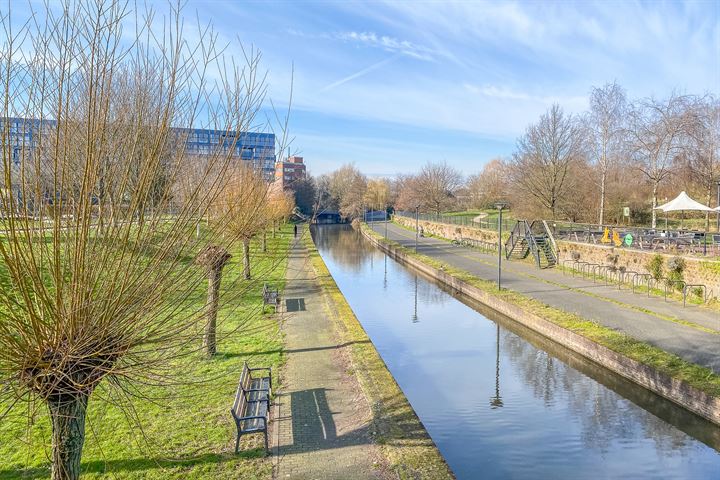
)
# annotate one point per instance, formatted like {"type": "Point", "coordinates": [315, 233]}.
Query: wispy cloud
{"type": "Point", "coordinates": [373, 40]}
{"type": "Point", "coordinates": [387, 43]}
{"type": "Point", "coordinates": [358, 74]}
{"type": "Point", "coordinates": [506, 93]}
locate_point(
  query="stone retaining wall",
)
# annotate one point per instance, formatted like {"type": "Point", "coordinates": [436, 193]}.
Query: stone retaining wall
{"type": "Point", "coordinates": [450, 231]}
{"type": "Point", "coordinates": [674, 390]}
{"type": "Point", "coordinates": [697, 271]}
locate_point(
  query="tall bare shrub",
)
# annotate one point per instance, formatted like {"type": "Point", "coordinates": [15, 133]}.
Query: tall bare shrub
{"type": "Point", "coordinates": [98, 224]}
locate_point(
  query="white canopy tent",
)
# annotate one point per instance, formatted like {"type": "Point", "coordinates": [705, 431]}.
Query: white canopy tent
{"type": "Point", "coordinates": [683, 202]}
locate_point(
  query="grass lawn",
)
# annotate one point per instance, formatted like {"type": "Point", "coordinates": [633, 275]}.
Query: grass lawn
{"type": "Point", "coordinates": [187, 431]}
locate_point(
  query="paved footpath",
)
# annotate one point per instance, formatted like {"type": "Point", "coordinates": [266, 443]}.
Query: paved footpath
{"type": "Point", "coordinates": [321, 418]}
{"type": "Point", "coordinates": [639, 316]}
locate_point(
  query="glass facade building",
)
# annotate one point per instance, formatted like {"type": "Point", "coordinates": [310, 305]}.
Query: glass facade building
{"type": "Point", "coordinates": [256, 148]}
{"type": "Point", "coordinates": [253, 147]}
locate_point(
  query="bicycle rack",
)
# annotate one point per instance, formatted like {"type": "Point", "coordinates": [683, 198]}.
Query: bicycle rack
{"type": "Point", "coordinates": [577, 266]}
{"type": "Point", "coordinates": [564, 263]}
{"type": "Point", "coordinates": [596, 270]}
{"type": "Point", "coordinates": [623, 277]}
{"type": "Point", "coordinates": [588, 266]}
{"type": "Point", "coordinates": [699, 285]}
{"type": "Point", "coordinates": [646, 276]}
{"type": "Point", "coordinates": [672, 282]}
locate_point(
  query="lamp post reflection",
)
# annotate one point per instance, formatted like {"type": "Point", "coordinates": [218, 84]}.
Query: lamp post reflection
{"type": "Point", "coordinates": [496, 401]}
{"type": "Point", "coordinates": [385, 276]}
{"type": "Point", "coordinates": [415, 312]}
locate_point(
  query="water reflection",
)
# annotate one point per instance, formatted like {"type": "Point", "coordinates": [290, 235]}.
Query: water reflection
{"type": "Point", "coordinates": [496, 401]}
{"type": "Point", "coordinates": [415, 318]}
{"type": "Point", "coordinates": [553, 413]}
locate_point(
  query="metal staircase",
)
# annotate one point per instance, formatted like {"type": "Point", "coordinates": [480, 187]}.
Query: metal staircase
{"type": "Point", "coordinates": [536, 238]}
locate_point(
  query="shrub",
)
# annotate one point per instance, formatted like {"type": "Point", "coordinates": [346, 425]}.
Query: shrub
{"type": "Point", "coordinates": [656, 267]}
{"type": "Point", "coordinates": [676, 268]}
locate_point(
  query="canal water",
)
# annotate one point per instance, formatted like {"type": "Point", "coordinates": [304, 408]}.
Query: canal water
{"type": "Point", "coordinates": [502, 402]}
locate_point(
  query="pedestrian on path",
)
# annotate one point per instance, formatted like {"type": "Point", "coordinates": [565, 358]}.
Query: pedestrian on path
{"type": "Point", "coordinates": [295, 229]}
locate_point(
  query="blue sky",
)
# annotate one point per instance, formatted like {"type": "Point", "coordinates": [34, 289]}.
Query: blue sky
{"type": "Point", "coordinates": [390, 85]}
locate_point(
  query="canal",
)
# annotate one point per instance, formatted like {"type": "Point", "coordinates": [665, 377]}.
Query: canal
{"type": "Point", "coordinates": [500, 401]}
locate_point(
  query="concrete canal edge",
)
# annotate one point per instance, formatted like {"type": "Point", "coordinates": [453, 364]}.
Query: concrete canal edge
{"type": "Point", "coordinates": [677, 391]}
{"type": "Point", "coordinates": [400, 434]}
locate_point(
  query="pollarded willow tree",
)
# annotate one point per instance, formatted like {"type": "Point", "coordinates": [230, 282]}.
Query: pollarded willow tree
{"type": "Point", "coordinates": [98, 218]}
{"type": "Point", "coordinates": [242, 207]}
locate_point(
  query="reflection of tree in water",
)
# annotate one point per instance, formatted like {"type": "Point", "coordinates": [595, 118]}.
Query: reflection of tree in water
{"type": "Point", "coordinates": [344, 245]}
{"type": "Point", "coordinates": [430, 294]}
{"type": "Point", "coordinates": [604, 415]}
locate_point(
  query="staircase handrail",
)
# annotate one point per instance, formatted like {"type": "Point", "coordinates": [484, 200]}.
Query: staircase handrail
{"type": "Point", "coordinates": [550, 235]}
{"type": "Point", "coordinates": [515, 236]}
{"type": "Point", "coordinates": [532, 243]}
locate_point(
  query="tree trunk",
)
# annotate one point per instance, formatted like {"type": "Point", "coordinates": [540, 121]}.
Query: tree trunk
{"type": "Point", "coordinates": [273, 223]}
{"type": "Point", "coordinates": [246, 258]}
{"type": "Point", "coordinates": [602, 198]}
{"type": "Point", "coordinates": [264, 241]}
{"type": "Point", "coordinates": [654, 204]}
{"type": "Point", "coordinates": [67, 413]}
{"type": "Point", "coordinates": [210, 340]}
{"type": "Point", "coordinates": [708, 201]}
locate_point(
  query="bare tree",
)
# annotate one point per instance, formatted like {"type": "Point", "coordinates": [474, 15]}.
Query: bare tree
{"type": "Point", "coordinates": [604, 121]}
{"type": "Point", "coordinates": [93, 304]}
{"type": "Point", "coordinates": [703, 145]}
{"type": "Point", "coordinates": [657, 129]}
{"type": "Point", "coordinates": [347, 189]}
{"type": "Point", "coordinates": [242, 207]}
{"type": "Point", "coordinates": [490, 185]}
{"type": "Point", "coordinates": [436, 185]}
{"type": "Point", "coordinates": [540, 166]}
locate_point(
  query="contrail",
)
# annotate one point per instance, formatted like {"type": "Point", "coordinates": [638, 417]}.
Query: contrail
{"type": "Point", "coordinates": [362, 72]}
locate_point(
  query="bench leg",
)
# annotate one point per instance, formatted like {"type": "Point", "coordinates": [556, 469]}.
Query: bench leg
{"type": "Point", "coordinates": [266, 441]}
{"type": "Point", "coordinates": [237, 442]}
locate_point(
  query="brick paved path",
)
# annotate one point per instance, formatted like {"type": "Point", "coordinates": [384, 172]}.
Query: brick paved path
{"type": "Point", "coordinates": [321, 417]}
{"type": "Point", "coordinates": [640, 317]}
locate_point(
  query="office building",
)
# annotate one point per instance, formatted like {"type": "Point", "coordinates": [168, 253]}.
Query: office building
{"type": "Point", "coordinates": [256, 148]}
{"type": "Point", "coordinates": [289, 171]}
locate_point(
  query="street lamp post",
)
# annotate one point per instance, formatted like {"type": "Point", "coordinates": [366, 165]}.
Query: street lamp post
{"type": "Point", "coordinates": [718, 199]}
{"type": "Point", "coordinates": [417, 225]}
{"type": "Point", "coordinates": [386, 220]}
{"type": "Point", "coordinates": [500, 206]}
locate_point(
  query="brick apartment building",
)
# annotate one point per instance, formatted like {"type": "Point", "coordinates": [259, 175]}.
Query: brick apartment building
{"type": "Point", "coordinates": [289, 171]}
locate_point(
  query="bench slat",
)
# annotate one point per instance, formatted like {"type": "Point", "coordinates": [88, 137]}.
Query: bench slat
{"type": "Point", "coordinates": [254, 409]}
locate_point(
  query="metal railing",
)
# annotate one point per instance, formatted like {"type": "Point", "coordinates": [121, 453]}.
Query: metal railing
{"type": "Point", "coordinates": [640, 238]}
{"type": "Point", "coordinates": [461, 220]}
{"type": "Point", "coordinates": [633, 279]}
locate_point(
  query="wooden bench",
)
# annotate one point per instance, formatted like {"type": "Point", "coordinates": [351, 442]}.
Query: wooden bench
{"type": "Point", "coordinates": [270, 297]}
{"type": "Point", "coordinates": [252, 403]}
